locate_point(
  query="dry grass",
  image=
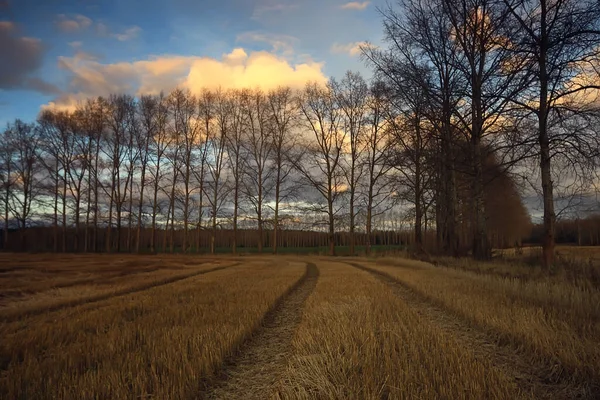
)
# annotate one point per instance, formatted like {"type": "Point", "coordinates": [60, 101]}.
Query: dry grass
{"type": "Point", "coordinates": [358, 340]}
{"type": "Point", "coordinates": [576, 265]}
{"type": "Point", "coordinates": [31, 285]}
{"type": "Point", "coordinates": [163, 342]}
{"type": "Point", "coordinates": [555, 323]}
{"type": "Point", "coordinates": [112, 327]}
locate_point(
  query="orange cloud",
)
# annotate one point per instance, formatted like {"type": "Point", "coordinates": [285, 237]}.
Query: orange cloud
{"type": "Point", "coordinates": [353, 49]}
{"type": "Point", "coordinates": [238, 69]}
{"type": "Point", "coordinates": [355, 5]}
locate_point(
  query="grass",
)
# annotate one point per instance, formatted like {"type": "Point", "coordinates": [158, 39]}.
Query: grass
{"type": "Point", "coordinates": [31, 285]}
{"type": "Point", "coordinates": [555, 323]}
{"type": "Point", "coordinates": [161, 343]}
{"type": "Point", "coordinates": [358, 340]}
{"type": "Point", "coordinates": [162, 327]}
{"type": "Point", "coordinates": [576, 265]}
{"type": "Point", "coordinates": [315, 250]}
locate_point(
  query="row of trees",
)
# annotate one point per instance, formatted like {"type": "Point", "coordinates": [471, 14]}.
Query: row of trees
{"type": "Point", "coordinates": [517, 79]}
{"type": "Point", "coordinates": [157, 172]}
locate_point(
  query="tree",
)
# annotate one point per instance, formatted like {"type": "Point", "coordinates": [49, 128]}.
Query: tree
{"type": "Point", "coordinates": [148, 114]}
{"type": "Point", "coordinates": [351, 96]}
{"type": "Point", "coordinates": [258, 182]}
{"type": "Point", "coordinates": [187, 126]}
{"type": "Point", "coordinates": [159, 145]}
{"type": "Point", "coordinates": [7, 151]}
{"type": "Point", "coordinates": [376, 157]}
{"type": "Point", "coordinates": [25, 168]}
{"type": "Point", "coordinates": [119, 119]}
{"type": "Point", "coordinates": [320, 165]}
{"type": "Point", "coordinates": [558, 40]}
{"type": "Point", "coordinates": [413, 141]}
{"type": "Point", "coordinates": [206, 117]}
{"type": "Point", "coordinates": [216, 185]}
{"type": "Point", "coordinates": [59, 152]}
{"type": "Point", "coordinates": [417, 36]}
{"type": "Point", "coordinates": [284, 117]}
{"type": "Point", "coordinates": [240, 108]}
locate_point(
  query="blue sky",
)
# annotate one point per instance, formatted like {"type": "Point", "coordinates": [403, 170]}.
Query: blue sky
{"type": "Point", "coordinates": [58, 52]}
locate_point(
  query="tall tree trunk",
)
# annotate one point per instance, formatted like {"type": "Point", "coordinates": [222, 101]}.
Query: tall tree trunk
{"type": "Point", "coordinates": [64, 214]}
{"type": "Point", "coordinates": [352, 194]}
{"type": "Point", "coordinates": [6, 206]}
{"type": "Point", "coordinates": [235, 210]}
{"type": "Point", "coordinates": [276, 216]}
{"type": "Point", "coordinates": [186, 205]}
{"type": "Point", "coordinates": [369, 223]}
{"type": "Point", "coordinates": [155, 208]}
{"type": "Point", "coordinates": [130, 213]}
{"type": "Point", "coordinates": [331, 236]}
{"type": "Point", "coordinates": [141, 204]}
{"type": "Point", "coordinates": [548, 241]}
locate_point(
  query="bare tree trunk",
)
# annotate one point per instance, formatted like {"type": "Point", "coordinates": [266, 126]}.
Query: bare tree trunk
{"type": "Point", "coordinates": [130, 213]}
{"type": "Point", "coordinates": [86, 239]}
{"type": "Point", "coordinates": [141, 204]}
{"type": "Point", "coordinates": [64, 215]}
{"type": "Point", "coordinates": [155, 208]}
{"type": "Point", "coordinates": [96, 191]}
{"type": "Point", "coordinates": [276, 216]}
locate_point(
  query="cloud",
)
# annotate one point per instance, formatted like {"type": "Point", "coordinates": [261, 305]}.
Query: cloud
{"type": "Point", "coordinates": [74, 24]}
{"type": "Point", "coordinates": [237, 69]}
{"type": "Point", "coordinates": [355, 5]}
{"type": "Point", "coordinates": [21, 57]}
{"type": "Point", "coordinates": [353, 49]}
{"type": "Point", "coordinates": [279, 43]}
{"type": "Point", "coordinates": [128, 34]}
{"type": "Point", "coordinates": [263, 10]}
{"type": "Point", "coordinates": [260, 68]}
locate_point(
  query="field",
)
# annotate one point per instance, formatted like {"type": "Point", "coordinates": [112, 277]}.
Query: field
{"type": "Point", "coordinates": [293, 327]}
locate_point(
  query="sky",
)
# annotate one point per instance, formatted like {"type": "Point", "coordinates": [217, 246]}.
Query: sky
{"type": "Point", "coordinates": [56, 53]}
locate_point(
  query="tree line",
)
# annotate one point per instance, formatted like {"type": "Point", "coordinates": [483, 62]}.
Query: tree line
{"type": "Point", "coordinates": [467, 95]}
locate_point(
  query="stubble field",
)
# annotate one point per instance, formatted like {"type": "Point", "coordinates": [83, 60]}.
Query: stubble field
{"type": "Point", "coordinates": [188, 327]}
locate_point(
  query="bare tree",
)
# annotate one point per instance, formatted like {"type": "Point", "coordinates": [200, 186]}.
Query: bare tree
{"type": "Point", "coordinates": [421, 34]}
{"type": "Point", "coordinates": [148, 112]}
{"type": "Point", "coordinates": [161, 141]}
{"type": "Point", "coordinates": [258, 183]}
{"type": "Point", "coordinates": [7, 151]}
{"type": "Point", "coordinates": [320, 165]}
{"type": "Point", "coordinates": [239, 122]}
{"type": "Point", "coordinates": [559, 41]}
{"type": "Point", "coordinates": [25, 167]}
{"type": "Point", "coordinates": [57, 141]}
{"type": "Point", "coordinates": [351, 97]}
{"type": "Point", "coordinates": [92, 125]}
{"type": "Point", "coordinates": [206, 117]}
{"type": "Point", "coordinates": [284, 115]}
{"type": "Point", "coordinates": [187, 128]}
{"type": "Point", "coordinates": [376, 157]}
{"type": "Point", "coordinates": [119, 119]}
{"type": "Point", "coordinates": [216, 185]}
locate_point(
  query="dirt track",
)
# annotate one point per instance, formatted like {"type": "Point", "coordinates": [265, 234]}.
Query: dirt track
{"type": "Point", "coordinates": [256, 369]}
{"type": "Point", "coordinates": [530, 377]}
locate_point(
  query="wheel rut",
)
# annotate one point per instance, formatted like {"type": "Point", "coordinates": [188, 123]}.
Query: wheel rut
{"type": "Point", "coordinates": [530, 377]}
{"type": "Point", "coordinates": [255, 370]}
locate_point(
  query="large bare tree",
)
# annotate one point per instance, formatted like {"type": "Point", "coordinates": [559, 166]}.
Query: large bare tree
{"type": "Point", "coordinates": [351, 94]}
{"type": "Point", "coordinates": [258, 182]}
{"type": "Point", "coordinates": [558, 39]}
{"type": "Point", "coordinates": [284, 119]}
{"type": "Point", "coordinates": [320, 165]}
